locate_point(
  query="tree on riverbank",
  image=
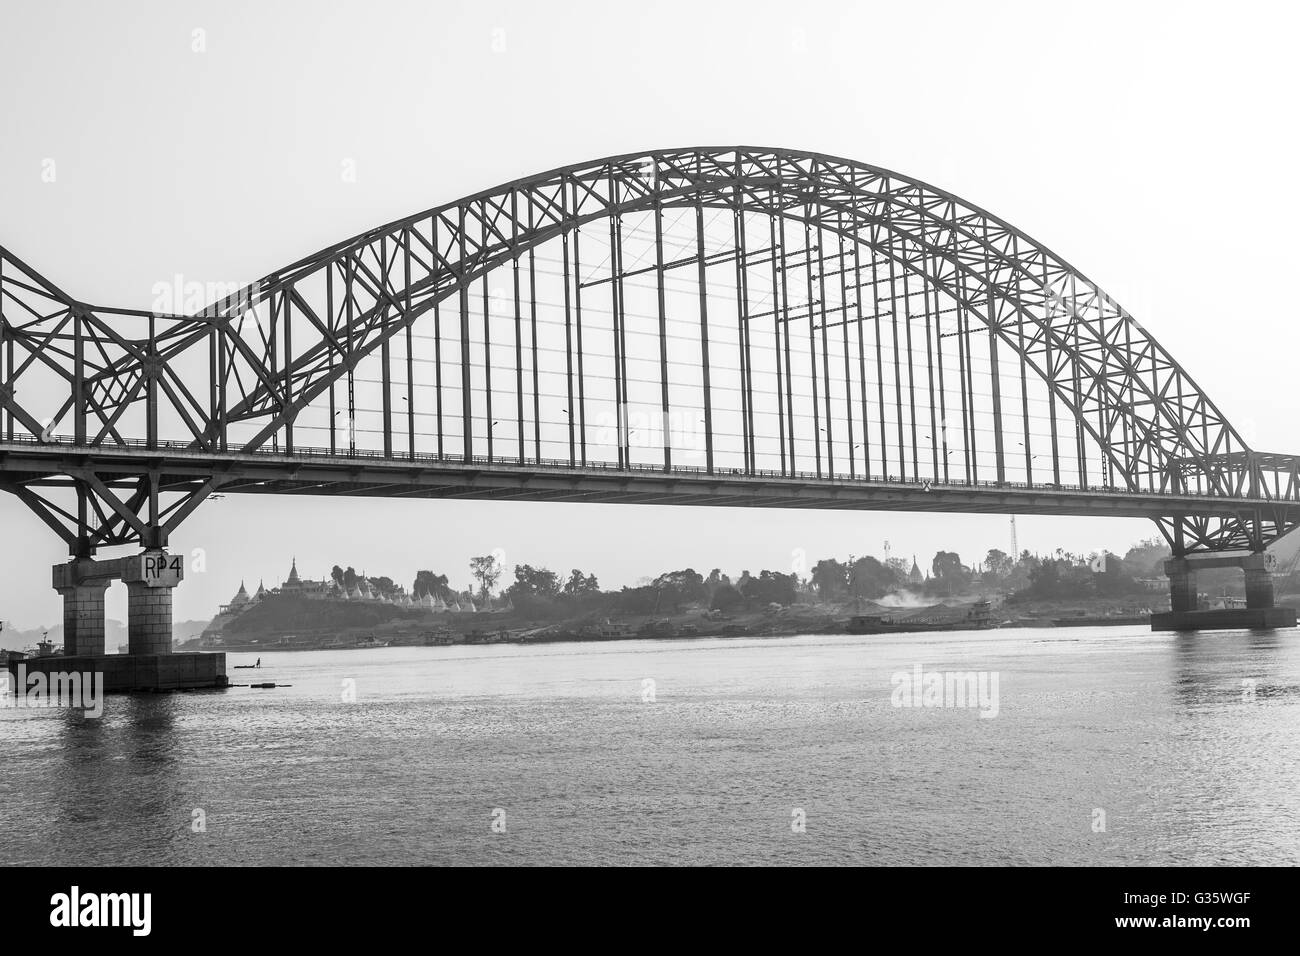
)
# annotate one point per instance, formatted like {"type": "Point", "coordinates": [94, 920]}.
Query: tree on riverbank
{"type": "Point", "coordinates": [948, 576]}
{"type": "Point", "coordinates": [531, 582]}
{"type": "Point", "coordinates": [770, 587]}
{"type": "Point", "coordinates": [1075, 577]}
{"type": "Point", "coordinates": [486, 570]}
{"type": "Point", "coordinates": [870, 579]}
{"type": "Point", "coordinates": [433, 585]}
{"type": "Point", "coordinates": [580, 585]}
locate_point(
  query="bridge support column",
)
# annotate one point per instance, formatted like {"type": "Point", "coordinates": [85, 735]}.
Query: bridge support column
{"type": "Point", "coordinates": [1182, 585]}
{"type": "Point", "coordinates": [83, 619]}
{"type": "Point", "coordinates": [82, 583]}
{"type": "Point", "coordinates": [1259, 582]}
{"type": "Point", "coordinates": [149, 579]}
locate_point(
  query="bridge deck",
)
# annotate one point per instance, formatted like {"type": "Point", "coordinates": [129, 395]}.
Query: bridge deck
{"type": "Point", "coordinates": [369, 473]}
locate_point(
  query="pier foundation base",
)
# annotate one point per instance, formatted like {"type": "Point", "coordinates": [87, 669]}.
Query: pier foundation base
{"type": "Point", "coordinates": [135, 672]}
{"type": "Point", "coordinates": [1225, 619]}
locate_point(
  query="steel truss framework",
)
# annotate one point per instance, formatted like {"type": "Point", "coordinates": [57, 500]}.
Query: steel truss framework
{"type": "Point", "coordinates": [116, 423]}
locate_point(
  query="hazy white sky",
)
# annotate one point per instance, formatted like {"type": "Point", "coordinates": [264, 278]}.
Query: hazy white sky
{"type": "Point", "coordinates": [1152, 145]}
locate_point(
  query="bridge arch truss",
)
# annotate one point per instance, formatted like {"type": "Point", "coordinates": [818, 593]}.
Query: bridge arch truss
{"type": "Point", "coordinates": [706, 325]}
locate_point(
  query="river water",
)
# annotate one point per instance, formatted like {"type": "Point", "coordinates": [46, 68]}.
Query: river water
{"type": "Point", "coordinates": [1109, 746]}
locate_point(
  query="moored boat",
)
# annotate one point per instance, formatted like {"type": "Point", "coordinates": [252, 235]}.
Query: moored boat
{"type": "Point", "coordinates": [940, 618]}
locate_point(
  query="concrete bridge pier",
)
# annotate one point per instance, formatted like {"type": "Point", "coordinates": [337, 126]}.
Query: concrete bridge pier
{"type": "Point", "coordinates": [149, 579]}
{"type": "Point", "coordinates": [82, 583]}
{"type": "Point", "coordinates": [1183, 596]}
{"type": "Point", "coordinates": [149, 664]}
{"type": "Point", "coordinates": [1259, 582]}
{"type": "Point", "coordinates": [1186, 614]}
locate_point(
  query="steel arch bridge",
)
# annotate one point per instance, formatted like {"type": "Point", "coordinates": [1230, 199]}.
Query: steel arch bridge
{"type": "Point", "coordinates": [714, 325]}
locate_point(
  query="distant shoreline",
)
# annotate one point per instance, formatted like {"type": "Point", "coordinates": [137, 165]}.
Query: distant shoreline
{"type": "Point", "coordinates": [835, 629]}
